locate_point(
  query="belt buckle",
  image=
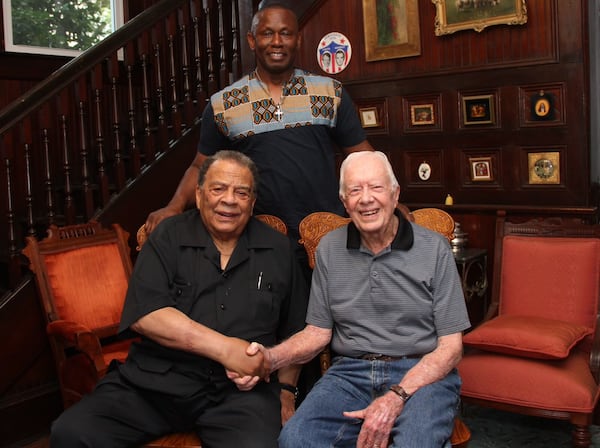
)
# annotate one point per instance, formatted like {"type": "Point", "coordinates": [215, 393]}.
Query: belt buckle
{"type": "Point", "coordinates": [373, 356]}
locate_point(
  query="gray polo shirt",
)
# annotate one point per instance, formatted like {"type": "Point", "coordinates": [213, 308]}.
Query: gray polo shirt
{"type": "Point", "coordinates": [395, 303]}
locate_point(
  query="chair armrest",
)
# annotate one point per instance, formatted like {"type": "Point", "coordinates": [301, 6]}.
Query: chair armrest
{"type": "Point", "coordinates": [81, 338]}
{"type": "Point", "coordinates": [595, 352]}
{"type": "Point", "coordinates": [325, 359]}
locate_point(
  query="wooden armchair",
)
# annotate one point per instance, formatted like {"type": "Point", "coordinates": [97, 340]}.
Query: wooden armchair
{"type": "Point", "coordinates": [538, 352]}
{"type": "Point", "coordinates": [435, 219]}
{"type": "Point", "coordinates": [82, 273]}
{"type": "Point", "coordinates": [314, 226]}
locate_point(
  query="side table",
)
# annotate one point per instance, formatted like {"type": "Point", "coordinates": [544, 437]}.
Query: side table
{"type": "Point", "coordinates": [472, 268]}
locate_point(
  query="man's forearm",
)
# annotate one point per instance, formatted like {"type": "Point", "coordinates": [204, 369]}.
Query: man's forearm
{"type": "Point", "coordinates": [435, 365]}
{"type": "Point", "coordinates": [173, 329]}
{"type": "Point", "coordinates": [300, 348]}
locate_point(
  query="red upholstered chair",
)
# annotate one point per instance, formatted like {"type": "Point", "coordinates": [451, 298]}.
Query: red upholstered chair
{"type": "Point", "coordinates": [314, 226]}
{"type": "Point", "coordinates": [537, 351]}
{"type": "Point", "coordinates": [82, 273]}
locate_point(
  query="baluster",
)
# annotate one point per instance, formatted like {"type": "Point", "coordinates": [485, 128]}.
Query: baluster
{"type": "Point", "coordinates": [13, 252]}
{"type": "Point", "coordinates": [50, 212]}
{"type": "Point", "coordinates": [185, 40]}
{"type": "Point", "coordinates": [29, 192]}
{"type": "Point", "coordinates": [188, 104]}
{"type": "Point", "coordinates": [102, 176]}
{"type": "Point", "coordinates": [116, 130]}
{"type": "Point", "coordinates": [200, 90]}
{"type": "Point", "coordinates": [236, 63]}
{"type": "Point", "coordinates": [224, 74]}
{"type": "Point", "coordinates": [69, 207]}
{"type": "Point", "coordinates": [86, 186]}
{"type": "Point", "coordinates": [175, 114]}
{"type": "Point", "coordinates": [133, 148]}
{"type": "Point", "coordinates": [148, 140]}
{"type": "Point", "coordinates": [213, 85]}
{"type": "Point", "coordinates": [160, 101]}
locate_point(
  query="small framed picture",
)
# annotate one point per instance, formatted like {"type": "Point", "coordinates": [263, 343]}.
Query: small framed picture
{"type": "Point", "coordinates": [421, 114]}
{"type": "Point", "coordinates": [478, 109]}
{"type": "Point", "coordinates": [481, 168]}
{"type": "Point", "coordinates": [544, 167]}
{"type": "Point", "coordinates": [369, 117]}
{"type": "Point", "coordinates": [542, 105]}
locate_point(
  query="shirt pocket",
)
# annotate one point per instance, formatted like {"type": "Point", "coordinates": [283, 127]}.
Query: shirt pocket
{"type": "Point", "coordinates": [266, 307]}
{"type": "Point", "coordinates": [182, 295]}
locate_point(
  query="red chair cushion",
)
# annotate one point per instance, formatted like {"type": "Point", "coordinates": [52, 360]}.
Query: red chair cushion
{"type": "Point", "coordinates": [116, 350]}
{"type": "Point", "coordinates": [528, 336]}
{"type": "Point", "coordinates": [561, 385]}
{"type": "Point", "coordinates": [553, 278]}
{"type": "Point", "coordinates": [91, 294]}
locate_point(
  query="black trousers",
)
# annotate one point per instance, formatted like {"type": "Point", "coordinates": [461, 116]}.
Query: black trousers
{"type": "Point", "coordinates": [118, 414]}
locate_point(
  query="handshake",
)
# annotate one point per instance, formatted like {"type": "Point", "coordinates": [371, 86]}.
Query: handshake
{"type": "Point", "coordinates": [246, 363]}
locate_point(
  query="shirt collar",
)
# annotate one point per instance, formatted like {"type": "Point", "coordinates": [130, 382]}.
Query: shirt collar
{"type": "Point", "coordinates": [403, 240]}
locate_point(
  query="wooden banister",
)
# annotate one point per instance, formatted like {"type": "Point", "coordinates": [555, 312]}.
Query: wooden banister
{"type": "Point", "coordinates": [81, 137]}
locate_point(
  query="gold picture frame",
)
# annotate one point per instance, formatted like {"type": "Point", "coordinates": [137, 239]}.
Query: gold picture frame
{"type": "Point", "coordinates": [478, 109]}
{"type": "Point", "coordinates": [422, 114]}
{"type": "Point", "coordinates": [369, 118]}
{"type": "Point", "coordinates": [456, 15]}
{"type": "Point", "coordinates": [481, 169]}
{"type": "Point", "coordinates": [398, 37]}
{"type": "Point", "coordinates": [544, 167]}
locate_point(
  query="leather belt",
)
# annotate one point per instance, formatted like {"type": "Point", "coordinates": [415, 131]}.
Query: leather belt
{"type": "Point", "coordinates": [380, 357]}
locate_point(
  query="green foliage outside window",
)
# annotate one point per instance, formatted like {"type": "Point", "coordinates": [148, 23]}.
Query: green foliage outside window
{"type": "Point", "coordinates": [65, 24]}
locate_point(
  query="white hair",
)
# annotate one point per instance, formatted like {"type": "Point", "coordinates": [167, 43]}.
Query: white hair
{"type": "Point", "coordinates": [354, 155]}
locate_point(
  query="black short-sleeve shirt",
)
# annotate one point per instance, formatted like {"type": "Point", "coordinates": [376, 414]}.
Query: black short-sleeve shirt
{"type": "Point", "coordinates": [260, 296]}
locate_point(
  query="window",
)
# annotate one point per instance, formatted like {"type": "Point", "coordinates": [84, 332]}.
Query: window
{"type": "Point", "coordinates": [63, 27]}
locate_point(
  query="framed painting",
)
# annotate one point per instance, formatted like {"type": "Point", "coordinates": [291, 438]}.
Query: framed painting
{"type": "Point", "coordinates": [373, 114]}
{"type": "Point", "coordinates": [456, 15]}
{"type": "Point", "coordinates": [481, 168]}
{"type": "Point", "coordinates": [542, 105]}
{"type": "Point", "coordinates": [478, 109]}
{"type": "Point", "coordinates": [369, 118]}
{"type": "Point", "coordinates": [421, 114]}
{"type": "Point", "coordinates": [391, 29]}
{"type": "Point", "coordinates": [544, 167]}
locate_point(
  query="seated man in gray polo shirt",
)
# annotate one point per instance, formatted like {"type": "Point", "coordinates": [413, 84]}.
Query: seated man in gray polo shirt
{"type": "Point", "coordinates": [387, 296]}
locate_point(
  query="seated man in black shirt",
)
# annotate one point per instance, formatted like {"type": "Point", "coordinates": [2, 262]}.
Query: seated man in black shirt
{"type": "Point", "coordinates": [204, 283]}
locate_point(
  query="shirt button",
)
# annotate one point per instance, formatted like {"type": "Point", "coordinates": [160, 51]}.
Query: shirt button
{"type": "Point", "coordinates": [222, 306]}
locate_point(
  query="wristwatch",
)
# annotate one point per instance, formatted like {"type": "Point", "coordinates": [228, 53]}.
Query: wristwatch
{"type": "Point", "coordinates": [290, 388]}
{"type": "Point", "coordinates": [399, 390]}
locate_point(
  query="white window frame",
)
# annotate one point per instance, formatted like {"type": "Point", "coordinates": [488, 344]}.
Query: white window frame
{"type": "Point", "coordinates": [9, 46]}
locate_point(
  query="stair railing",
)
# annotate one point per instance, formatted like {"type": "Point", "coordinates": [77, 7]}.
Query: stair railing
{"type": "Point", "coordinates": [89, 130]}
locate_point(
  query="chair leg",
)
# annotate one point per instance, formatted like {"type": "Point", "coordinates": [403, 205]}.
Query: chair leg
{"type": "Point", "coordinates": [581, 436]}
{"type": "Point", "coordinates": [460, 434]}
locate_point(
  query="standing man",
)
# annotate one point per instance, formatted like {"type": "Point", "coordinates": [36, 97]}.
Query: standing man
{"type": "Point", "coordinates": [205, 283]}
{"type": "Point", "coordinates": [286, 120]}
{"type": "Point", "coordinates": [387, 295]}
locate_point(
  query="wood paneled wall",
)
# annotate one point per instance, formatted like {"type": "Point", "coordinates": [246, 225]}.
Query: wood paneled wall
{"type": "Point", "coordinates": [510, 64]}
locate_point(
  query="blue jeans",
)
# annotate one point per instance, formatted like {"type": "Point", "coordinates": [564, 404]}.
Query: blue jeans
{"type": "Point", "coordinates": [352, 384]}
